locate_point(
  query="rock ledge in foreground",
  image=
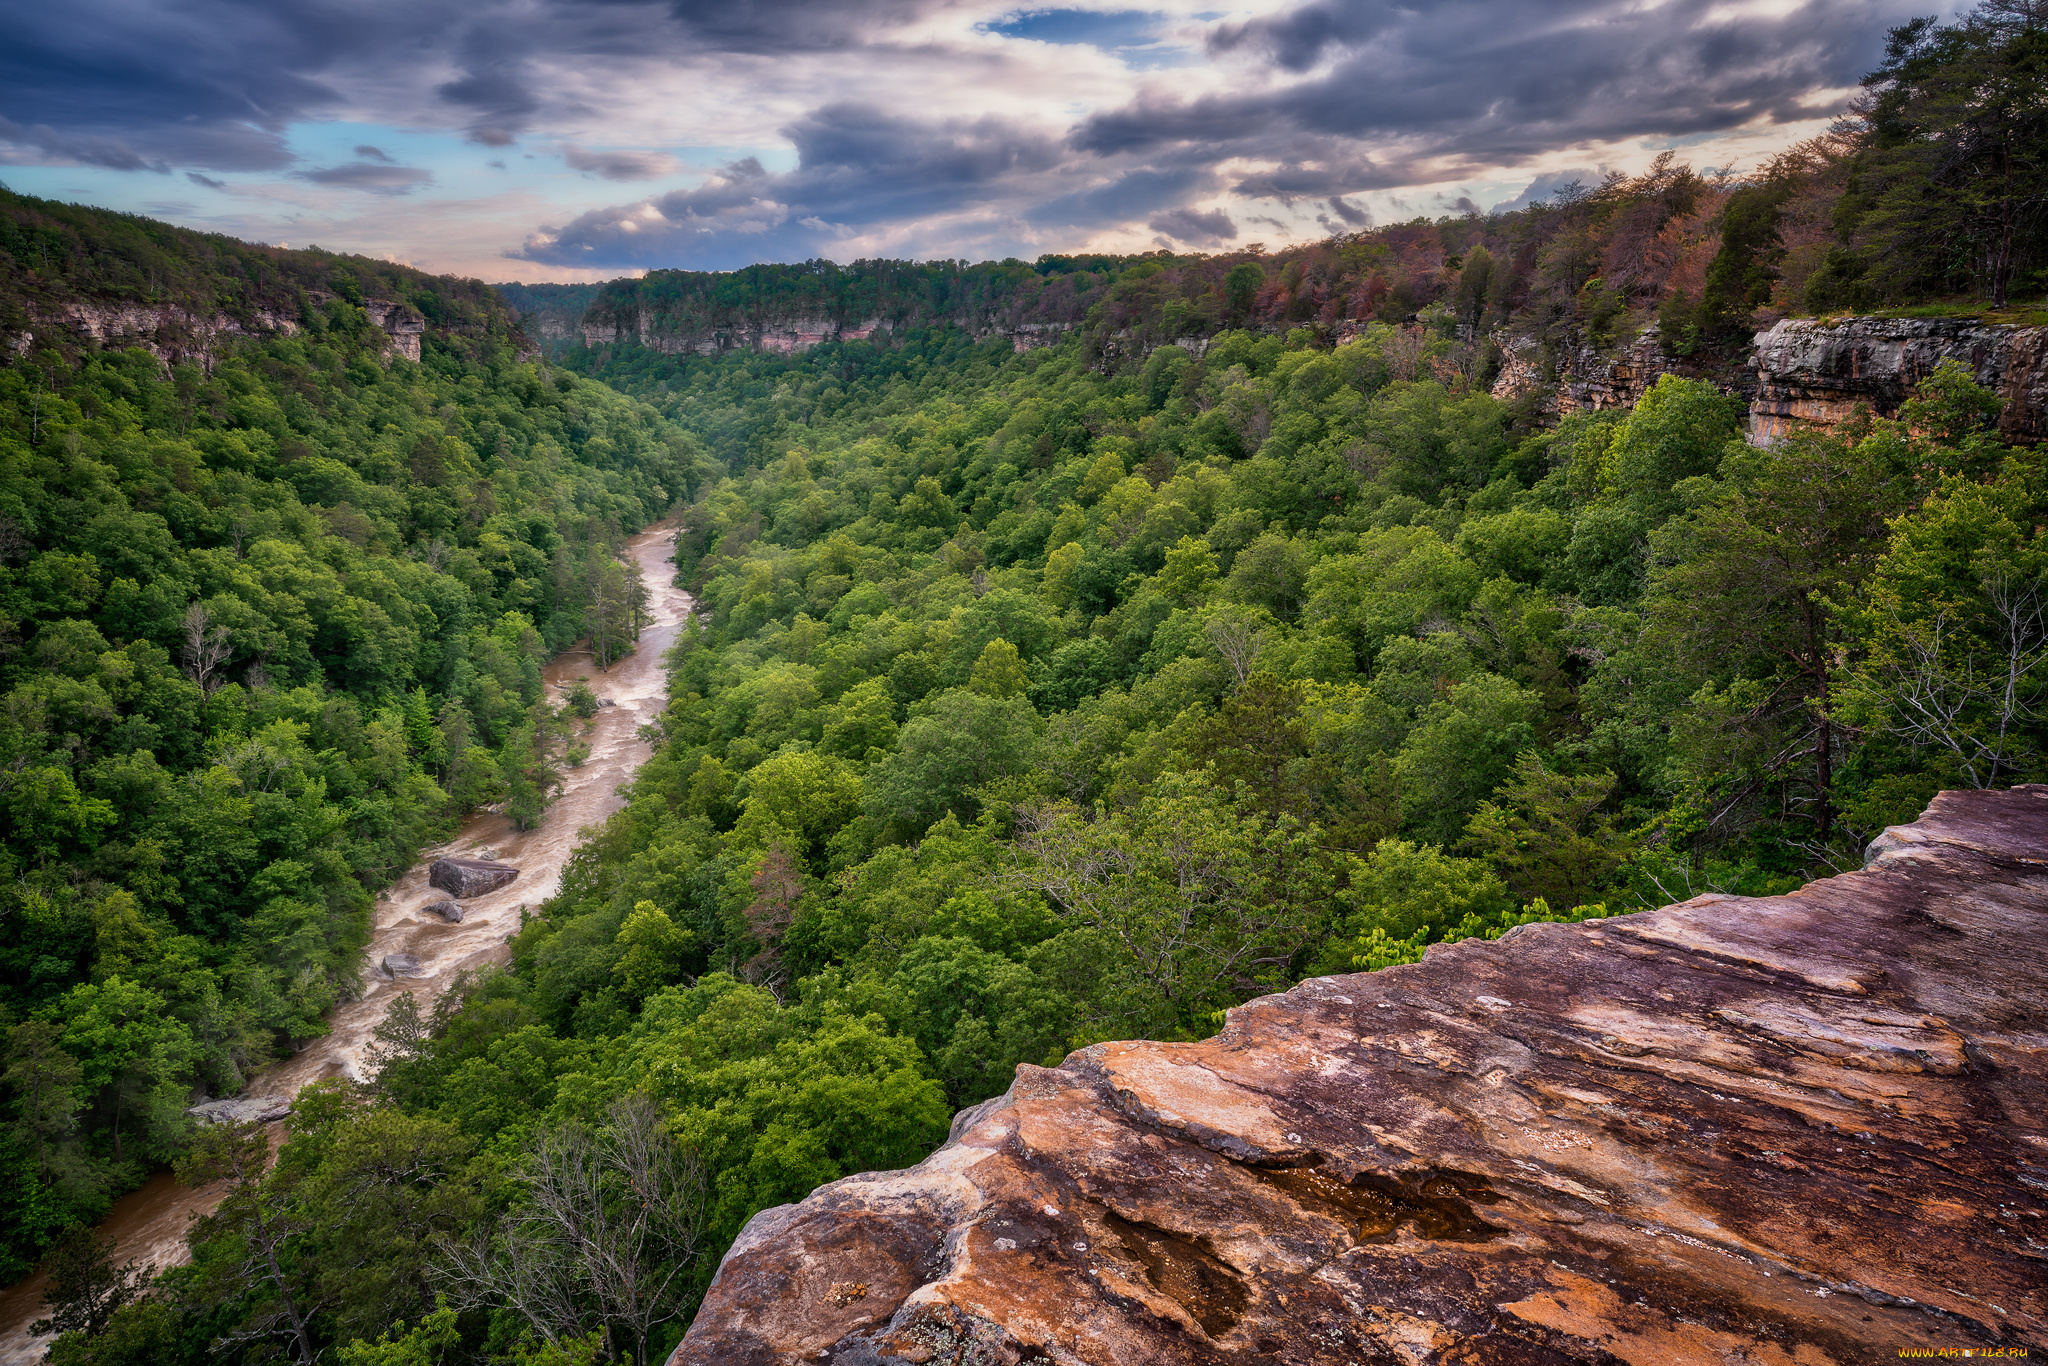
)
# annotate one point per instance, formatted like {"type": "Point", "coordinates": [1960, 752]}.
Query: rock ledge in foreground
{"type": "Point", "coordinates": [1785, 1131]}
{"type": "Point", "coordinates": [463, 878]}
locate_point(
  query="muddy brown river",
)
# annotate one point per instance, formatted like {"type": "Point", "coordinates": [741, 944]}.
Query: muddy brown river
{"type": "Point", "coordinates": [149, 1223]}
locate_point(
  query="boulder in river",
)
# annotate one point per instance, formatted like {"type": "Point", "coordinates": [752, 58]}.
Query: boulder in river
{"type": "Point", "coordinates": [467, 877]}
{"type": "Point", "coordinates": [450, 911]}
{"type": "Point", "coordinates": [240, 1109]}
{"type": "Point", "coordinates": [401, 965]}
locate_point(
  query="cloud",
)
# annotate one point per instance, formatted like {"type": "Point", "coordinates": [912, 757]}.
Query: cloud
{"type": "Point", "coordinates": [858, 168]}
{"type": "Point", "coordinates": [208, 181]}
{"type": "Point", "coordinates": [901, 127]}
{"type": "Point", "coordinates": [619, 165]}
{"type": "Point", "coordinates": [1434, 90]}
{"type": "Point", "coordinates": [216, 84]}
{"type": "Point", "coordinates": [1355, 217]}
{"type": "Point", "coordinates": [79, 149]}
{"type": "Point", "coordinates": [1198, 229]}
{"type": "Point", "coordinates": [1547, 184]}
{"type": "Point", "coordinates": [368, 175]}
{"type": "Point", "coordinates": [1131, 195]}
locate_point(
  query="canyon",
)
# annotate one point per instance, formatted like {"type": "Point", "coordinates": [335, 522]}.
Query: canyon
{"type": "Point", "coordinates": [149, 1223]}
{"type": "Point", "coordinates": [1799, 373]}
{"type": "Point", "coordinates": [1794, 1130]}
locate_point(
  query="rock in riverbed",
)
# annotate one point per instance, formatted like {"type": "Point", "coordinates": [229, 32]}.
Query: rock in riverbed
{"type": "Point", "coordinates": [401, 965]}
{"type": "Point", "coordinates": [467, 877]}
{"type": "Point", "coordinates": [1792, 1130]}
{"type": "Point", "coordinates": [239, 1109]}
{"type": "Point", "coordinates": [450, 911]}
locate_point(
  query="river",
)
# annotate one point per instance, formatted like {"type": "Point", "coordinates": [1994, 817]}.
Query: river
{"type": "Point", "coordinates": [149, 1223]}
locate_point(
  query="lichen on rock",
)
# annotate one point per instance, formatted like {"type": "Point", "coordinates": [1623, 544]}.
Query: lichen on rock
{"type": "Point", "coordinates": [1799, 1130]}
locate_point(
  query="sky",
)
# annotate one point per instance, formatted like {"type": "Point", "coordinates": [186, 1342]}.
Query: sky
{"type": "Point", "coordinates": [573, 140]}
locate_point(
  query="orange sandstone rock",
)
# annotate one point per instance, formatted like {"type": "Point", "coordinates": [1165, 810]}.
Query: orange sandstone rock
{"type": "Point", "coordinates": [1779, 1132]}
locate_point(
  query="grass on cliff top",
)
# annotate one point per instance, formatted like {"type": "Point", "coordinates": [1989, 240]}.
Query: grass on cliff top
{"type": "Point", "coordinates": [2034, 314]}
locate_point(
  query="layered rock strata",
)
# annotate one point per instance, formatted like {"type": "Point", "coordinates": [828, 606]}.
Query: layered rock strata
{"type": "Point", "coordinates": [463, 878]}
{"type": "Point", "coordinates": [1815, 372]}
{"type": "Point", "coordinates": [1589, 380]}
{"type": "Point", "coordinates": [176, 335]}
{"type": "Point", "coordinates": [607, 326]}
{"type": "Point", "coordinates": [1795, 1130]}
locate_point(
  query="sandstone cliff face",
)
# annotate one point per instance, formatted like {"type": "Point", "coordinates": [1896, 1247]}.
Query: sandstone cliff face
{"type": "Point", "coordinates": [176, 335]}
{"type": "Point", "coordinates": [1589, 379]}
{"type": "Point", "coordinates": [1807, 373]}
{"type": "Point", "coordinates": [1814, 373]}
{"type": "Point", "coordinates": [784, 335]}
{"type": "Point", "coordinates": [781, 335]}
{"type": "Point", "coordinates": [1800, 1130]}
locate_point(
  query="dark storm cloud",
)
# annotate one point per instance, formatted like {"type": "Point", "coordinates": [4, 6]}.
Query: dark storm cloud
{"type": "Point", "coordinates": [132, 86]}
{"type": "Point", "coordinates": [1131, 195]}
{"type": "Point", "coordinates": [214, 84]}
{"type": "Point", "coordinates": [1492, 82]}
{"type": "Point", "coordinates": [1356, 217]}
{"type": "Point", "coordinates": [1198, 229]}
{"type": "Point", "coordinates": [87, 149]}
{"type": "Point", "coordinates": [858, 168]}
{"type": "Point", "coordinates": [772, 26]}
{"type": "Point", "coordinates": [1546, 185]}
{"type": "Point", "coordinates": [1321, 100]}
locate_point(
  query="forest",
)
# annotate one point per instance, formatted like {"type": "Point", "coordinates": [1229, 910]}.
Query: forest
{"type": "Point", "coordinates": [1034, 698]}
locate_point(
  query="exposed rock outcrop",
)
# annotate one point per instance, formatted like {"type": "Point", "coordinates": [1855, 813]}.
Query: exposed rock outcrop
{"type": "Point", "coordinates": [604, 327]}
{"type": "Point", "coordinates": [401, 965]}
{"type": "Point", "coordinates": [607, 328]}
{"type": "Point", "coordinates": [241, 1109]}
{"type": "Point", "coordinates": [463, 878]}
{"type": "Point", "coordinates": [401, 322]}
{"type": "Point", "coordinates": [176, 335]}
{"type": "Point", "coordinates": [1813, 373]}
{"type": "Point", "coordinates": [1794, 1130]}
{"type": "Point", "coordinates": [1589, 380]}
{"type": "Point", "coordinates": [450, 911]}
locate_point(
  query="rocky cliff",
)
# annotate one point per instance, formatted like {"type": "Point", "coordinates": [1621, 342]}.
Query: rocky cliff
{"type": "Point", "coordinates": [175, 335]}
{"type": "Point", "coordinates": [1590, 379]}
{"type": "Point", "coordinates": [778, 334]}
{"type": "Point", "coordinates": [1815, 372]}
{"type": "Point", "coordinates": [74, 277]}
{"type": "Point", "coordinates": [1797, 1130]}
{"type": "Point", "coordinates": [1805, 372]}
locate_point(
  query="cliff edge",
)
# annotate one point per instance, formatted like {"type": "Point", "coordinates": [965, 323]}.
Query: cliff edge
{"type": "Point", "coordinates": [1802, 1130]}
{"type": "Point", "coordinates": [1813, 372]}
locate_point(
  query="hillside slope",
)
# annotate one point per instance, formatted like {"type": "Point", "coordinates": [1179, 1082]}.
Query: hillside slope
{"type": "Point", "coordinates": [284, 538]}
{"type": "Point", "coordinates": [73, 275]}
